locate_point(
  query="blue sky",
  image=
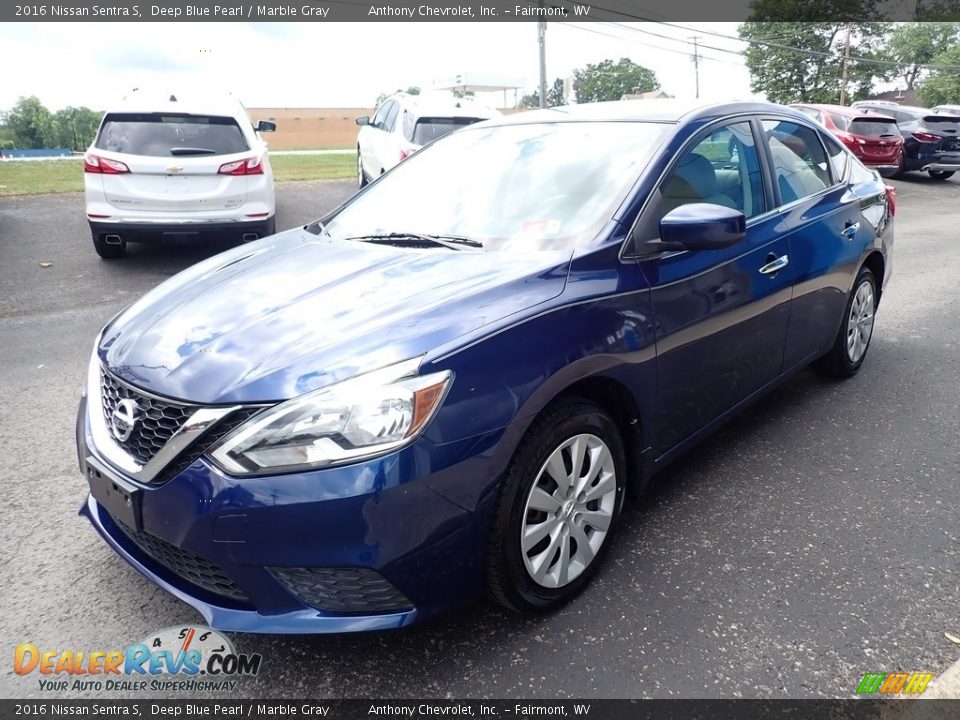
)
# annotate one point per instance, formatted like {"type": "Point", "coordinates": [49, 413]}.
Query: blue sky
{"type": "Point", "coordinates": [338, 64]}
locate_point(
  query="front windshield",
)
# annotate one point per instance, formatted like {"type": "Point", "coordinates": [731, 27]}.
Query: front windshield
{"type": "Point", "coordinates": [545, 186]}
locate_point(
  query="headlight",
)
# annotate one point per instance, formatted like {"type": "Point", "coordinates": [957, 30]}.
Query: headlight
{"type": "Point", "coordinates": [352, 420]}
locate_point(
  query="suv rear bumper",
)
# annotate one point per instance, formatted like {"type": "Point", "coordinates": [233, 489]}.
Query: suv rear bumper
{"type": "Point", "coordinates": [153, 231]}
{"type": "Point", "coordinates": [946, 167]}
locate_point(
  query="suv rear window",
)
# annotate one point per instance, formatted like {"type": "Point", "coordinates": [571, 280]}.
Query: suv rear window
{"type": "Point", "coordinates": [429, 129]}
{"type": "Point", "coordinates": [873, 128]}
{"type": "Point", "coordinates": [164, 135]}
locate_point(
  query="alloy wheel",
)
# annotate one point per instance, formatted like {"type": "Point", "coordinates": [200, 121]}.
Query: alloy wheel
{"type": "Point", "coordinates": [569, 511]}
{"type": "Point", "coordinates": [860, 322]}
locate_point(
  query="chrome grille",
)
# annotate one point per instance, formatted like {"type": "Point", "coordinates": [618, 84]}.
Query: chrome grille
{"type": "Point", "coordinates": [157, 421]}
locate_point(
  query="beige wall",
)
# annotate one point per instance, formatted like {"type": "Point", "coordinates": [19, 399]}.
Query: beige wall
{"type": "Point", "coordinates": [311, 128]}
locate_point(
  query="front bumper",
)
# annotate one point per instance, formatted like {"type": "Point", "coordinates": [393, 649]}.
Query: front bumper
{"type": "Point", "coordinates": [389, 517]}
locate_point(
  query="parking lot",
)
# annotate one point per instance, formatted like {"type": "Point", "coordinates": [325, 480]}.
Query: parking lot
{"type": "Point", "coordinates": [814, 539]}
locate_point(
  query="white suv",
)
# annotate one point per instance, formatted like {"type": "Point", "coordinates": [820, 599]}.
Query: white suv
{"type": "Point", "coordinates": [404, 123]}
{"type": "Point", "coordinates": [177, 166]}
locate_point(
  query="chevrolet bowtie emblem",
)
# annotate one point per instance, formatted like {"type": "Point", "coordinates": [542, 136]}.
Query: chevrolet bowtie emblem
{"type": "Point", "coordinates": [174, 169]}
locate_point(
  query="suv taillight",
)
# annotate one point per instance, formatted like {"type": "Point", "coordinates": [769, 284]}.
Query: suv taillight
{"type": "Point", "coordinates": [103, 166]}
{"type": "Point", "coordinates": [926, 137]}
{"type": "Point", "coordinates": [891, 199]}
{"type": "Point", "coordinates": [247, 166]}
{"type": "Point", "coordinates": [848, 139]}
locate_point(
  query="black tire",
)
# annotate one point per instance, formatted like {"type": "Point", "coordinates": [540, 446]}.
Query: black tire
{"type": "Point", "coordinates": [940, 174]}
{"type": "Point", "coordinates": [361, 177]}
{"type": "Point", "coordinates": [508, 579]}
{"type": "Point", "coordinates": [109, 252]}
{"type": "Point", "coordinates": [838, 361]}
{"type": "Point", "coordinates": [271, 227]}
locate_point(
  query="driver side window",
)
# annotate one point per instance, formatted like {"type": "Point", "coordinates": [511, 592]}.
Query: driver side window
{"type": "Point", "coordinates": [723, 168]}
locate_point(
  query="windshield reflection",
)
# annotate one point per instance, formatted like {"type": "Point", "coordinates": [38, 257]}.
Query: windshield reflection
{"type": "Point", "coordinates": [515, 188]}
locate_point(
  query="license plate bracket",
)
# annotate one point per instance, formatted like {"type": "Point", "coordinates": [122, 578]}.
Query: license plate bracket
{"type": "Point", "coordinates": [117, 496]}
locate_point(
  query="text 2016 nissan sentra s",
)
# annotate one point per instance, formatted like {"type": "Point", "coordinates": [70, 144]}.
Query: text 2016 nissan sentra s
{"type": "Point", "coordinates": [450, 382]}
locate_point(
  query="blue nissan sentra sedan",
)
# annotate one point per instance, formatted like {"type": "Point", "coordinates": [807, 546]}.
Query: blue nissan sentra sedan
{"type": "Point", "coordinates": [449, 383]}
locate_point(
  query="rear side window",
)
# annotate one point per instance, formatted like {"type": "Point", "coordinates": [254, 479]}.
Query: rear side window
{"type": "Point", "coordinates": [158, 135]}
{"type": "Point", "coordinates": [429, 129]}
{"type": "Point", "coordinates": [840, 121]}
{"type": "Point", "coordinates": [838, 157]}
{"type": "Point", "coordinates": [799, 161]}
{"type": "Point", "coordinates": [873, 128]}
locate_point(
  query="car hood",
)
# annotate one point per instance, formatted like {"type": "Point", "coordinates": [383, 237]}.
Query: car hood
{"type": "Point", "coordinates": [295, 312]}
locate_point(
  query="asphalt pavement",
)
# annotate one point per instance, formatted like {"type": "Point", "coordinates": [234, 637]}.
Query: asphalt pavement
{"type": "Point", "coordinates": [812, 540]}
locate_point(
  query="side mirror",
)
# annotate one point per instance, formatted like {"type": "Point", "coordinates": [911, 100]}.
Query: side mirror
{"type": "Point", "coordinates": [266, 126]}
{"type": "Point", "coordinates": [700, 226]}
{"type": "Point", "coordinates": [363, 120]}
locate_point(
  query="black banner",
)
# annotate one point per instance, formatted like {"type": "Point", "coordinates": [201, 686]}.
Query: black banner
{"type": "Point", "coordinates": [472, 11]}
{"type": "Point", "coordinates": [864, 709]}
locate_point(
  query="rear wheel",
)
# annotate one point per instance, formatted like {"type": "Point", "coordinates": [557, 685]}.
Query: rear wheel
{"type": "Point", "coordinates": [850, 348]}
{"type": "Point", "coordinates": [109, 251]}
{"type": "Point", "coordinates": [560, 502]}
{"type": "Point", "coordinates": [940, 174]}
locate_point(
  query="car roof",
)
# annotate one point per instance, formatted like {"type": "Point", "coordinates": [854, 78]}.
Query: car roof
{"type": "Point", "coordinates": [443, 106]}
{"type": "Point", "coordinates": [183, 100]}
{"type": "Point", "coordinates": [851, 112]}
{"type": "Point", "coordinates": [654, 110]}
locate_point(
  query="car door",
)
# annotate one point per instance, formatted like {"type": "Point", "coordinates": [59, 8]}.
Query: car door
{"type": "Point", "coordinates": [721, 315]}
{"type": "Point", "coordinates": [370, 149]}
{"type": "Point", "coordinates": [389, 150]}
{"type": "Point", "coordinates": [823, 217]}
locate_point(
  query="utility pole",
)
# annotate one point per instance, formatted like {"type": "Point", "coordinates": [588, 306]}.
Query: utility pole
{"type": "Point", "coordinates": [542, 37]}
{"type": "Point", "coordinates": [846, 60]}
{"type": "Point", "coordinates": [696, 63]}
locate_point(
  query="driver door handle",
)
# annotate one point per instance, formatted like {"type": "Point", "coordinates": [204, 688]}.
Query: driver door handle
{"type": "Point", "coordinates": [775, 264]}
{"type": "Point", "coordinates": [850, 230]}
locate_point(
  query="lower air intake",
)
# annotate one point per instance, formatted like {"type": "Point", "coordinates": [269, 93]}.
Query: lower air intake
{"type": "Point", "coordinates": [349, 590]}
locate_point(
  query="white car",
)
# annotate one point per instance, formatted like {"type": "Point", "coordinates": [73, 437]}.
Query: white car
{"type": "Point", "coordinates": [404, 123]}
{"type": "Point", "coordinates": [177, 166]}
{"type": "Point", "coordinates": [945, 110]}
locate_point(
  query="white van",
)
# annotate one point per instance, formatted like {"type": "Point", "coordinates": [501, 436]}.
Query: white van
{"type": "Point", "coordinates": [177, 166]}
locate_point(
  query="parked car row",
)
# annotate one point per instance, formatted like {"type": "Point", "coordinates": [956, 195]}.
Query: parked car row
{"type": "Point", "coordinates": [895, 139]}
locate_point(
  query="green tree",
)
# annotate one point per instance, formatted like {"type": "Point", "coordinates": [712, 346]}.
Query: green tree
{"type": "Point", "coordinates": [32, 124]}
{"type": "Point", "coordinates": [412, 90]}
{"type": "Point", "coordinates": [801, 61]}
{"type": "Point", "coordinates": [609, 80]}
{"type": "Point", "coordinates": [555, 96]}
{"type": "Point", "coordinates": [76, 127]}
{"type": "Point", "coordinates": [913, 45]}
{"type": "Point", "coordinates": [942, 86]}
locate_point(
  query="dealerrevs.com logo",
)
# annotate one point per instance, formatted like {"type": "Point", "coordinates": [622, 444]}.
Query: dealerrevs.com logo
{"type": "Point", "coordinates": [189, 658]}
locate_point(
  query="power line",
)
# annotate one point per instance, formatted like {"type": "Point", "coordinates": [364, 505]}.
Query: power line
{"type": "Point", "coordinates": [754, 41]}
{"type": "Point", "coordinates": [652, 46]}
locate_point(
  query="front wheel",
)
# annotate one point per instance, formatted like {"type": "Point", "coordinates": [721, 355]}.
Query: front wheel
{"type": "Point", "coordinates": [560, 502]}
{"type": "Point", "coordinates": [850, 348]}
{"type": "Point", "coordinates": [361, 178]}
{"type": "Point", "coordinates": [940, 174]}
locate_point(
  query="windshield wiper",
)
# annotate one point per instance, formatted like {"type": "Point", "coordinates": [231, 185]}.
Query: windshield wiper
{"type": "Point", "coordinates": [191, 151]}
{"type": "Point", "coordinates": [398, 238]}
